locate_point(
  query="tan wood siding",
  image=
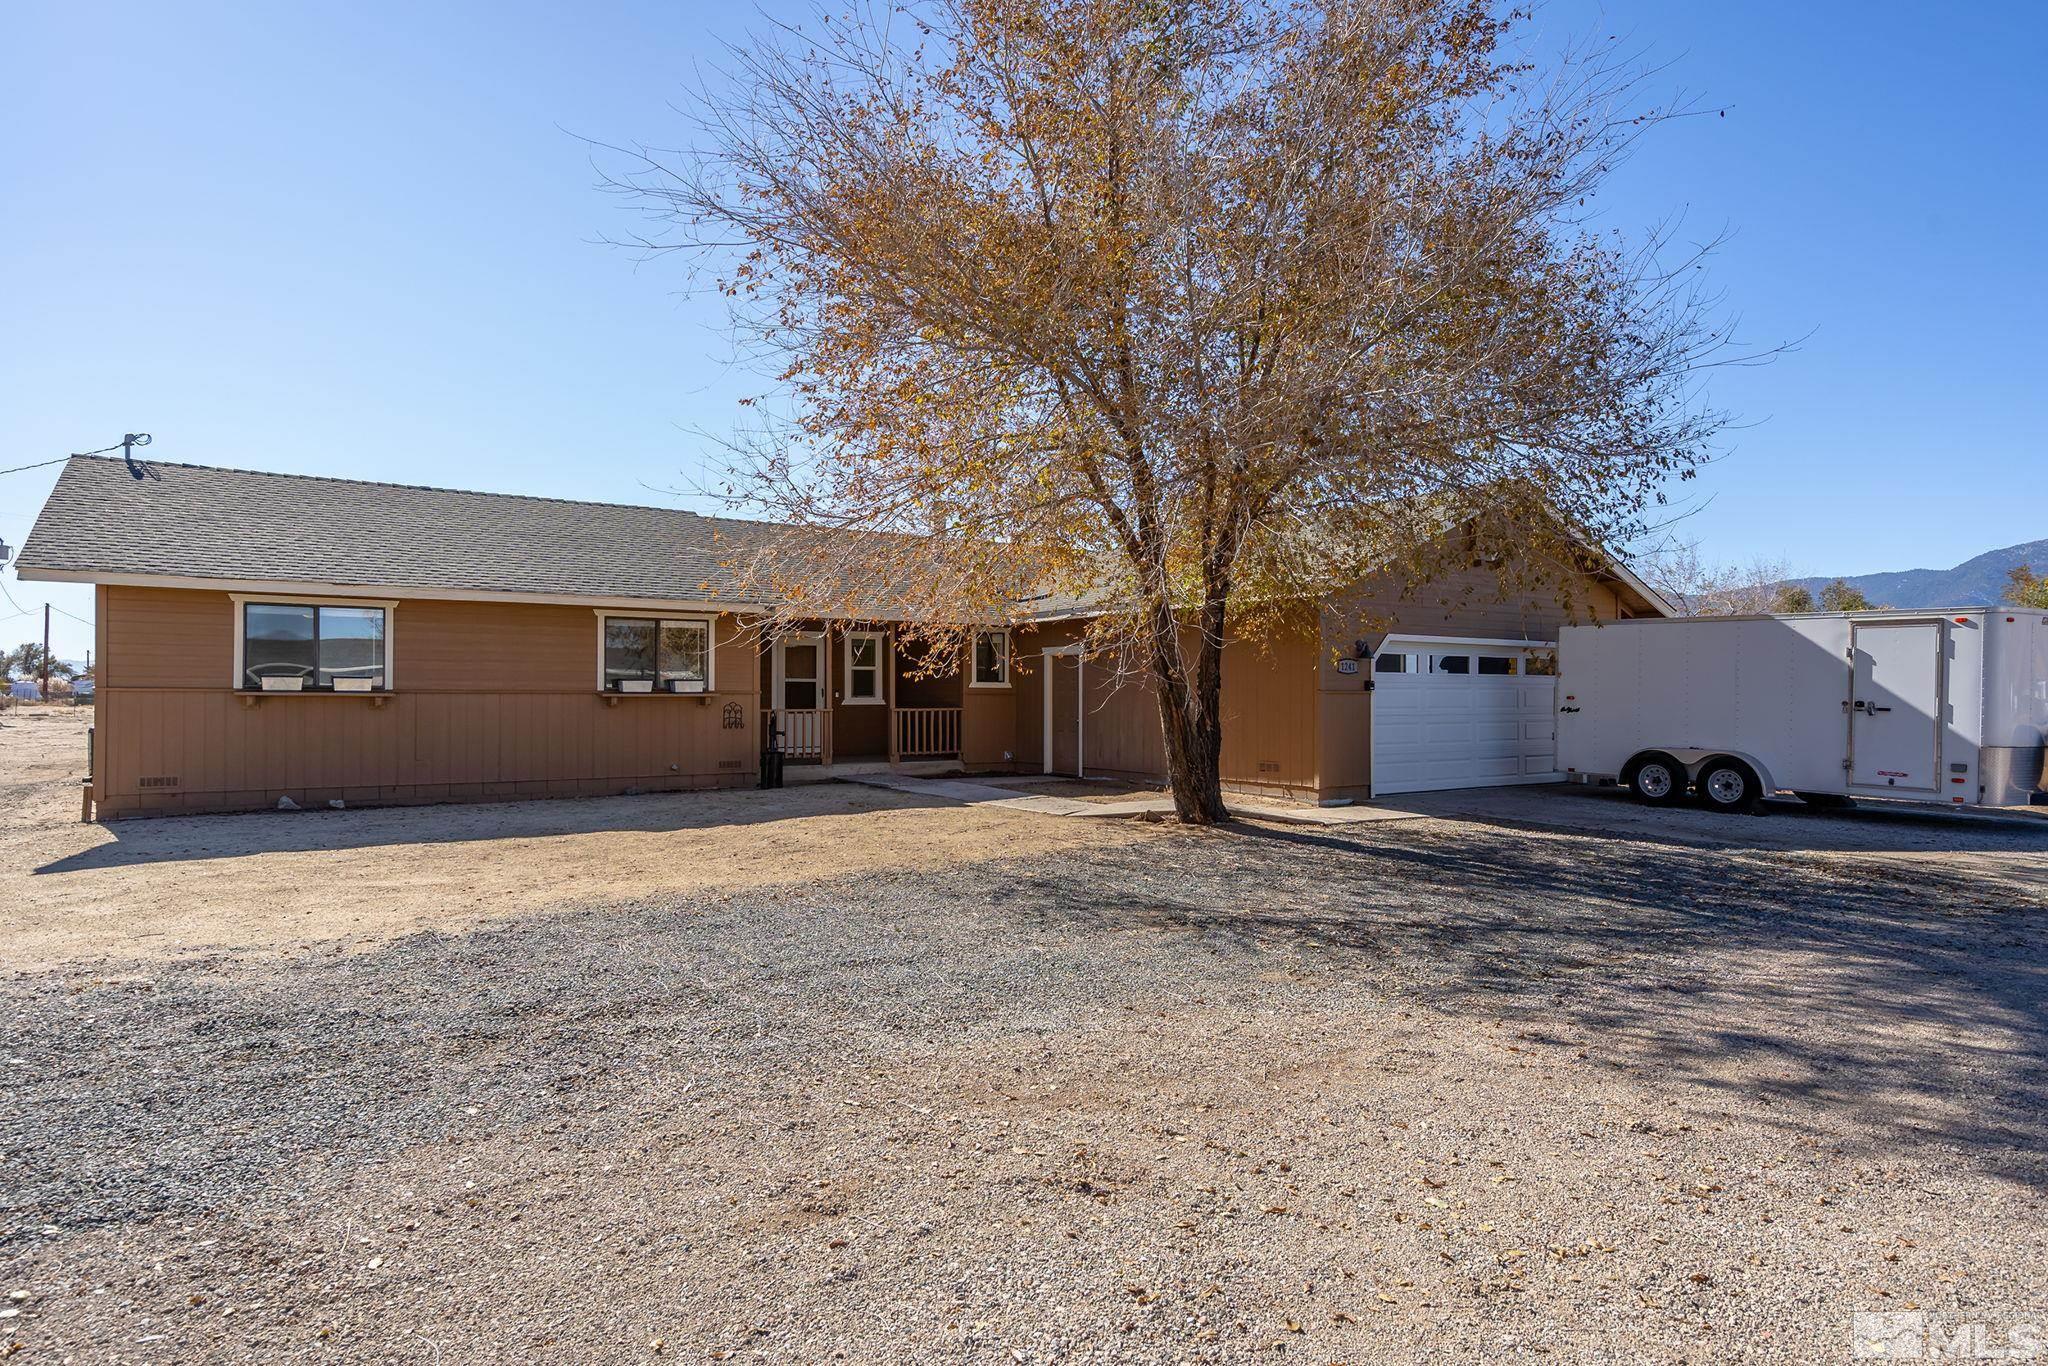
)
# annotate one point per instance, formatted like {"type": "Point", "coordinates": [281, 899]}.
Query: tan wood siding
{"type": "Point", "coordinates": [167, 638]}
{"type": "Point", "coordinates": [492, 701]}
{"type": "Point", "coordinates": [1466, 603]}
{"type": "Point", "coordinates": [1268, 714]}
{"type": "Point", "coordinates": [1269, 717]}
{"type": "Point", "coordinates": [1027, 682]}
{"type": "Point", "coordinates": [860, 730]}
{"type": "Point", "coordinates": [988, 726]}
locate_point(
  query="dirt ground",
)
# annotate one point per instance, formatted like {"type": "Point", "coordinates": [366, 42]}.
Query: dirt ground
{"type": "Point", "coordinates": [1523, 1080]}
{"type": "Point", "coordinates": [242, 883]}
{"type": "Point", "coordinates": [1080, 789]}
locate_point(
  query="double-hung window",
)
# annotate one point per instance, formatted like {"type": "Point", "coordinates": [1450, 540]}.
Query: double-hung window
{"type": "Point", "coordinates": [991, 659]}
{"type": "Point", "coordinates": [655, 654]}
{"type": "Point", "coordinates": [315, 646]}
{"type": "Point", "coordinates": [864, 654]}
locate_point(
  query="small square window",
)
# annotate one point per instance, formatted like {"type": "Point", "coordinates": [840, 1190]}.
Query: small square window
{"type": "Point", "coordinates": [1390, 664]}
{"type": "Point", "coordinates": [1452, 664]}
{"type": "Point", "coordinates": [1496, 665]}
{"type": "Point", "coordinates": [863, 668]}
{"type": "Point", "coordinates": [992, 659]}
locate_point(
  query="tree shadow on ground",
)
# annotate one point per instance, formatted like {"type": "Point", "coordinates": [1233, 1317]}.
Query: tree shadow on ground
{"type": "Point", "coordinates": [1860, 1002]}
{"type": "Point", "coordinates": [1782, 824]}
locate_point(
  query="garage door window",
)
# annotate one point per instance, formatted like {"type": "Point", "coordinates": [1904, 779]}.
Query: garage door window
{"type": "Point", "coordinates": [1451, 664]}
{"type": "Point", "coordinates": [1390, 664]}
{"type": "Point", "coordinates": [1497, 665]}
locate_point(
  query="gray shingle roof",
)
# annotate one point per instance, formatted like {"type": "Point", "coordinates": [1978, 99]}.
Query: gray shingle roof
{"type": "Point", "coordinates": [197, 521]}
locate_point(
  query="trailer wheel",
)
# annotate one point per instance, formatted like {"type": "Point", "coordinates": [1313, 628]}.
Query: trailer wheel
{"type": "Point", "coordinates": [1728, 785]}
{"type": "Point", "coordinates": [1656, 779]}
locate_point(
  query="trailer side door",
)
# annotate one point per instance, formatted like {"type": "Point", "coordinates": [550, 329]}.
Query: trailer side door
{"type": "Point", "coordinates": [1895, 705]}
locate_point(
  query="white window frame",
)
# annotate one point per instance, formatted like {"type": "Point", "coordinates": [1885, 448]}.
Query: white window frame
{"type": "Point", "coordinates": [661, 620]}
{"type": "Point", "coordinates": [973, 665]}
{"type": "Point", "coordinates": [241, 634]}
{"type": "Point", "coordinates": [881, 696]}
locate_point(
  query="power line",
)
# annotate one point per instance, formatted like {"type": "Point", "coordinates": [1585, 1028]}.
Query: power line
{"type": "Point", "coordinates": [58, 461]}
{"type": "Point", "coordinates": [117, 446]}
{"type": "Point", "coordinates": [20, 611]}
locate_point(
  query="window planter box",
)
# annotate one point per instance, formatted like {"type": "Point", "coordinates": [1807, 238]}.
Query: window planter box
{"type": "Point", "coordinates": [636, 685]}
{"type": "Point", "coordinates": [357, 684]}
{"type": "Point", "coordinates": [685, 685]}
{"type": "Point", "coordinates": [284, 685]}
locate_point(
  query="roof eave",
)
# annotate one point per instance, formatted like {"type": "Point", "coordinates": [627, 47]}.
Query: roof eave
{"type": "Point", "coordinates": [387, 590]}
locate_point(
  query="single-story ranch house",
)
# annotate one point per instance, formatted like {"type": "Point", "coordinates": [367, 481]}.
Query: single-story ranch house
{"type": "Point", "coordinates": [263, 636]}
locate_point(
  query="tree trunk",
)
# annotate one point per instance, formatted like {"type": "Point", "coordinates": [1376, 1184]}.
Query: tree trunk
{"type": "Point", "coordinates": [1190, 720]}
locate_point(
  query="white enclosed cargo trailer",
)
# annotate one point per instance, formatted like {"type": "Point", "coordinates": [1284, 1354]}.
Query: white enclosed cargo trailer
{"type": "Point", "coordinates": [1948, 707]}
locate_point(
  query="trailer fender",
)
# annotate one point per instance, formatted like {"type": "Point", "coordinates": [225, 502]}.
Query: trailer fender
{"type": "Point", "coordinates": [1696, 759]}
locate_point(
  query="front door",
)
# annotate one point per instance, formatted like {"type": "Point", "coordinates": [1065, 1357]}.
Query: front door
{"type": "Point", "coordinates": [799, 693]}
{"type": "Point", "coordinates": [1895, 705]}
{"type": "Point", "coordinates": [800, 673]}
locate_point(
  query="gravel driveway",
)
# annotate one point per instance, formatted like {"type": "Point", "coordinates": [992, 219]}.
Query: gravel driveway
{"type": "Point", "coordinates": [1426, 1089]}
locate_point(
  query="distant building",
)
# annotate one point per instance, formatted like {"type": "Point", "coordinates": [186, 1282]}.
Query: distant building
{"type": "Point", "coordinates": [25, 690]}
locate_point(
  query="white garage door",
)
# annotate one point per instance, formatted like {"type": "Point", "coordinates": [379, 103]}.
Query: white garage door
{"type": "Point", "coordinates": [1447, 716]}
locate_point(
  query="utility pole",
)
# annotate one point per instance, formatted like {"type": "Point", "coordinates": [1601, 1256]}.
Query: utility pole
{"type": "Point", "coordinates": [46, 652]}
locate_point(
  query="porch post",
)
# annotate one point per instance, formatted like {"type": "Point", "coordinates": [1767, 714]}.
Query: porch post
{"type": "Point", "coordinates": [888, 665]}
{"type": "Point", "coordinates": [825, 698]}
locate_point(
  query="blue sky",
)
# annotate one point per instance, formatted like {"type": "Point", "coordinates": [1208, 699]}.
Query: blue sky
{"type": "Point", "coordinates": [360, 240]}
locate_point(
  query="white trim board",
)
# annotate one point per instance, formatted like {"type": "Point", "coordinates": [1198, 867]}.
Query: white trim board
{"type": "Point", "coordinates": [1479, 642]}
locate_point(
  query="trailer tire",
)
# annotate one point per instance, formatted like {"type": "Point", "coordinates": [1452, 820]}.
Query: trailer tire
{"type": "Point", "coordinates": [1655, 779]}
{"type": "Point", "coordinates": [1728, 785]}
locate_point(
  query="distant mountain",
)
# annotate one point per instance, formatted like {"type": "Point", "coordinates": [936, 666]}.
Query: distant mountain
{"type": "Point", "coordinates": [1974, 582]}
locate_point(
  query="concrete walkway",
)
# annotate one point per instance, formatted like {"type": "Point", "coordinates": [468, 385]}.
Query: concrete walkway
{"type": "Point", "coordinates": [987, 794]}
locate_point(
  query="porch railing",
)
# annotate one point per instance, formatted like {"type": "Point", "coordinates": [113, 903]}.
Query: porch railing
{"type": "Point", "coordinates": [927, 732]}
{"type": "Point", "coordinates": [806, 733]}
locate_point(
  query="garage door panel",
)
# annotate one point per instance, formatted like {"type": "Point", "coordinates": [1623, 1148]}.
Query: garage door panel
{"type": "Point", "coordinates": [1434, 731]}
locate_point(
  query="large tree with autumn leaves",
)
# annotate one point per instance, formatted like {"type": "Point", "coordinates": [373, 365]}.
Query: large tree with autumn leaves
{"type": "Point", "coordinates": [1203, 309]}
